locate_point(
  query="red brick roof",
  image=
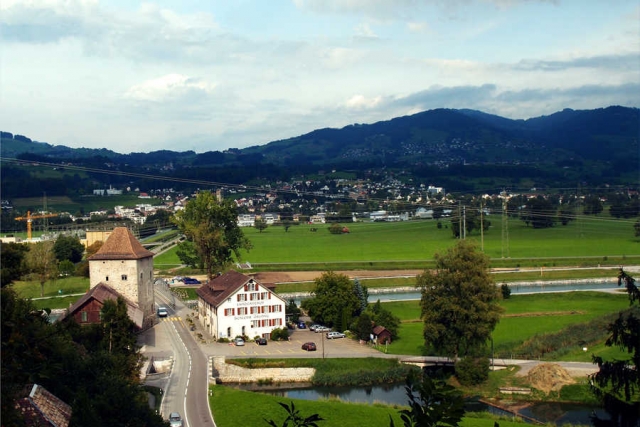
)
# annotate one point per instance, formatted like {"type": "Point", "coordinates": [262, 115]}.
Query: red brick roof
{"type": "Point", "coordinates": [41, 408]}
{"type": "Point", "coordinates": [121, 244]}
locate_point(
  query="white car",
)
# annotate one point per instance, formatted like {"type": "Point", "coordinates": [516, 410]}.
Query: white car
{"type": "Point", "coordinates": [162, 311]}
{"type": "Point", "coordinates": [175, 420]}
{"type": "Point", "coordinates": [332, 335]}
{"type": "Point", "coordinates": [239, 342]}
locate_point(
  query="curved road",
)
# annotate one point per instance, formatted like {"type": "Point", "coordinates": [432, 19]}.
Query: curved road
{"type": "Point", "coordinates": [187, 387]}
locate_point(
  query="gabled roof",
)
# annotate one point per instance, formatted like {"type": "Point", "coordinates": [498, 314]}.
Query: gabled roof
{"type": "Point", "coordinates": [41, 408]}
{"type": "Point", "coordinates": [377, 330]}
{"type": "Point", "coordinates": [222, 287]}
{"type": "Point", "coordinates": [101, 293]}
{"type": "Point", "coordinates": [121, 244]}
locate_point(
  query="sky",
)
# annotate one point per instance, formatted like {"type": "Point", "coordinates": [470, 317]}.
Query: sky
{"type": "Point", "coordinates": [211, 75]}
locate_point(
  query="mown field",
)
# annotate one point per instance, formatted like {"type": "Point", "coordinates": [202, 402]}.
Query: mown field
{"type": "Point", "coordinates": [252, 409]}
{"type": "Point", "coordinates": [412, 244]}
{"type": "Point", "coordinates": [524, 317]}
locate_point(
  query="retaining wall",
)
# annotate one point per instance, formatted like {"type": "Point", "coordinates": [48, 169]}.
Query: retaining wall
{"type": "Point", "coordinates": [225, 373]}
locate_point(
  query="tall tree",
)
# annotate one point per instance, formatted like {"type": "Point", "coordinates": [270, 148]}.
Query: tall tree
{"type": "Point", "coordinates": [459, 301]}
{"type": "Point", "coordinates": [617, 382]}
{"type": "Point", "coordinates": [12, 262]}
{"type": "Point", "coordinates": [260, 225]}
{"type": "Point", "coordinates": [212, 226]}
{"type": "Point", "coordinates": [539, 213]}
{"type": "Point", "coordinates": [332, 296]}
{"type": "Point", "coordinates": [68, 248]}
{"type": "Point", "coordinates": [363, 295]}
{"type": "Point", "coordinates": [41, 261]}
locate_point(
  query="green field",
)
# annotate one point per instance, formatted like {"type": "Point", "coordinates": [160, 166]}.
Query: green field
{"type": "Point", "coordinates": [524, 317]}
{"type": "Point", "coordinates": [87, 203]}
{"type": "Point", "coordinates": [411, 244]}
{"type": "Point", "coordinates": [254, 408]}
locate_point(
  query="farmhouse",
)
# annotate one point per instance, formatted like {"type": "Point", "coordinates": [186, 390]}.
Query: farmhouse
{"type": "Point", "coordinates": [233, 304]}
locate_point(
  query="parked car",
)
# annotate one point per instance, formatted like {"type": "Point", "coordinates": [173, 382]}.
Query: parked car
{"type": "Point", "coordinates": [322, 329]}
{"type": "Point", "coordinates": [239, 342]}
{"type": "Point", "coordinates": [175, 420]}
{"type": "Point", "coordinates": [190, 281]}
{"type": "Point", "coordinates": [332, 335]}
{"type": "Point", "coordinates": [313, 327]}
{"type": "Point", "coordinates": [309, 346]}
{"type": "Point", "coordinates": [162, 311]}
{"type": "Point", "coordinates": [302, 325]}
{"type": "Point", "coordinates": [261, 341]}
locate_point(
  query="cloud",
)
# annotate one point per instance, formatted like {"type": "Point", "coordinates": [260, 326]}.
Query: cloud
{"type": "Point", "coordinates": [417, 27]}
{"type": "Point", "coordinates": [364, 31]}
{"type": "Point", "coordinates": [171, 86]}
{"type": "Point", "coordinates": [358, 102]}
{"type": "Point", "coordinates": [616, 62]}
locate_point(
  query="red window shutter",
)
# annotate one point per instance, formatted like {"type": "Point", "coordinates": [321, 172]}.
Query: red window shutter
{"type": "Point", "coordinates": [246, 288]}
{"type": "Point", "coordinates": [233, 311]}
{"type": "Point", "coordinates": [257, 287]}
{"type": "Point", "coordinates": [269, 295]}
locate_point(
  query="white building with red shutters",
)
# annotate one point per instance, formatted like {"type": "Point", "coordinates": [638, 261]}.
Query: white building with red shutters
{"type": "Point", "coordinates": [234, 304]}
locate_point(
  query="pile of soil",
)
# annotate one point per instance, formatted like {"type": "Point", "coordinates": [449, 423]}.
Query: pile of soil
{"type": "Point", "coordinates": [549, 377]}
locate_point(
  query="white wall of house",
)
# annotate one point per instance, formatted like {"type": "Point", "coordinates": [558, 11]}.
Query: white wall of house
{"type": "Point", "coordinates": [253, 312]}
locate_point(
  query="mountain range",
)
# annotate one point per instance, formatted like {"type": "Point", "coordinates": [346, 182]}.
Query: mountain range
{"type": "Point", "coordinates": [594, 146]}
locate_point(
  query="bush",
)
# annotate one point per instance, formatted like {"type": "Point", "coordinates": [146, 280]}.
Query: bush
{"type": "Point", "coordinates": [335, 228]}
{"type": "Point", "coordinates": [280, 334]}
{"type": "Point", "coordinates": [506, 291]}
{"type": "Point", "coordinates": [472, 370]}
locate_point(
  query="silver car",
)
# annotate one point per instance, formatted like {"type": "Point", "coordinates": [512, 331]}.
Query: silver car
{"type": "Point", "coordinates": [175, 420]}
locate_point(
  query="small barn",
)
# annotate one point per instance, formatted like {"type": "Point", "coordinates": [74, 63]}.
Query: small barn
{"type": "Point", "coordinates": [381, 335]}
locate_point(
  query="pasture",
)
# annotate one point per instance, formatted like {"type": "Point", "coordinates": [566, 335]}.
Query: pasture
{"type": "Point", "coordinates": [524, 317]}
{"type": "Point", "coordinates": [411, 243]}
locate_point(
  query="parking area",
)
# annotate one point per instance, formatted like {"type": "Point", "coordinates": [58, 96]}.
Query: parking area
{"type": "Point", "coordinates": [343, 347]}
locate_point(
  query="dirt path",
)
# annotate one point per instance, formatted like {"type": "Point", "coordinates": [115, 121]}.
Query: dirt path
{"type": "Point", "coordinates": [308, 276]}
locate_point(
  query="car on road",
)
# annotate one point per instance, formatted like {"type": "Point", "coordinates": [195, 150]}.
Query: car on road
{"type": "Point", "coordinates": [162, 311]}
{"type": "Point", "coordinates": [332, 335]}
{"type": "Point", "coordinates": [175, 420]}
{"type": "Point", "coordinates": [309, 346]}
{"type": "Point", "coordinates": [302, 325]}
{"type": "Point", "coordinates": [190, 281]}
{"type": "Point", "coordinates": [239, 342]}
{"type": "Point", "coordinates": [261, 341]}
{"type": "Point", "coordinates": [322, 329]}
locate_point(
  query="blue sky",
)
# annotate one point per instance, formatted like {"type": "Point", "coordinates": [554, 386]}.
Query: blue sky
{"type": "Point", "coordinates": [210, 75]}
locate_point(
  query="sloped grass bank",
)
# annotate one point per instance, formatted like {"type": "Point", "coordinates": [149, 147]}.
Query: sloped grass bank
{"type": "Point", "coordinates": [252, 409]}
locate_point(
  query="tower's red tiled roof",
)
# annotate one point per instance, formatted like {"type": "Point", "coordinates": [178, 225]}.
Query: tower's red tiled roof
{"type": "Point", "coordinates": [121, 244]}
{"type": "Point", "coordinates": [41, 408]}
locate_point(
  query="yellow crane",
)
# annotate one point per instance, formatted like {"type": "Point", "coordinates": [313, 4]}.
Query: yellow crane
{"type": "Point", "coordinates": [29, 218]}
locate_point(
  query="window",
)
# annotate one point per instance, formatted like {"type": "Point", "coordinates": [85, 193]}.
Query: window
{"type": "Point", "coordinates": [85, 316]}
{"type": "Point", "coordinates": [124, 277]}
{"type": "Point", "coordinates": [107, 279]}
{"type": "Point", "coordinates": [229, 311]}
{"type": "Point", "coordinates": [242, 297]}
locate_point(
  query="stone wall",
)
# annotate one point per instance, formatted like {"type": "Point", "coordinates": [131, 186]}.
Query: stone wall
{"type": "Point", "coordinates": [226, 373]}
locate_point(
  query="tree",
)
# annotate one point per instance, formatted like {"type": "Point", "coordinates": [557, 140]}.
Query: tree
{"type": "Point", "coordinates": [260, 225]}
{"type": "Point", "coordinates": [432, 403]}
{"type": "Point", "coordinates": [66, 268]}
{"type": "Point", "coordinates": [332, 296]}
{"type": "Point", "coordinates": [12, 262]}
{"type": "Point", "coordinates": [41, 261]}
{"type": "Point", "coordinates": [592, 205]}
{"type": "Point", "coordinates": [292, 311]}
{"type": "Point", "coordinates": [286, 223]}
{"type": "Point", "coordinates": [335, 228]}
{"type": "Point", "coordinates": [294, 419]}
{"type": "Point", "coordinates": [383, 317]}
{"type": "Point", "coordinates": [186, 251]}
{"type": "Point", "coordinates": [617, 382]}
{"type": "Point", "coordinates": [363, 296]}
{"type": "Point", "coordinates": [636, 227]}
{"type": "Point", "coordinates": [363, 326]}
{"type": "Point", "coordinates": [539, 213]}
{"type": "Point", "coordinates": [69, 248]}
{"type": "Point", "coordinates": [459, 301]}
{"type": "Point", "coordinates": [212, 226]}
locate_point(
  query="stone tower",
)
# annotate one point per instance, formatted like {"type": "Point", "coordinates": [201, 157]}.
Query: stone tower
{"type": "Point", "coordinates": [126, 266]}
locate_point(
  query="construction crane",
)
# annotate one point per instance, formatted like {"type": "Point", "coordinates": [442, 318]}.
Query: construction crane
{"type": "Point", "coordinates": [29, 218]}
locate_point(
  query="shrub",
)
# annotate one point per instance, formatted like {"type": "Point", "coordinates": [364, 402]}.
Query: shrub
{"type": "Point", "coordinates": [472, 370]}
{"type": "Point", "coordinates": [506, 291]}
{"type": "Point", "coordinates": [335, 228]}
{"type": "Point", "coordinates": [280, 334]}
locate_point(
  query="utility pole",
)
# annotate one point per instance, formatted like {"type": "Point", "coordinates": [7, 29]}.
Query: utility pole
{"type": "Point", "coordinates": [505, 226]}
{"type": "Point", "coordinates": [464, 225]}
{"type": "Point", "coordinates": [459, 222]}
{"type": "Point", "coordinates": [481, 228]}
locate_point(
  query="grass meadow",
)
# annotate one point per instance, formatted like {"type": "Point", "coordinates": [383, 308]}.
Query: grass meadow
{"type": "Point", "coordinates": [524, 317]}
{"type": "Point", "coordinates": [414, 243]}
{"type": "Point", "coordinates": [254, 408]}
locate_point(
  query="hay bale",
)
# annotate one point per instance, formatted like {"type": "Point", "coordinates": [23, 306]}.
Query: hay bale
{"type": "Point", "coordinates": [549, 377]}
